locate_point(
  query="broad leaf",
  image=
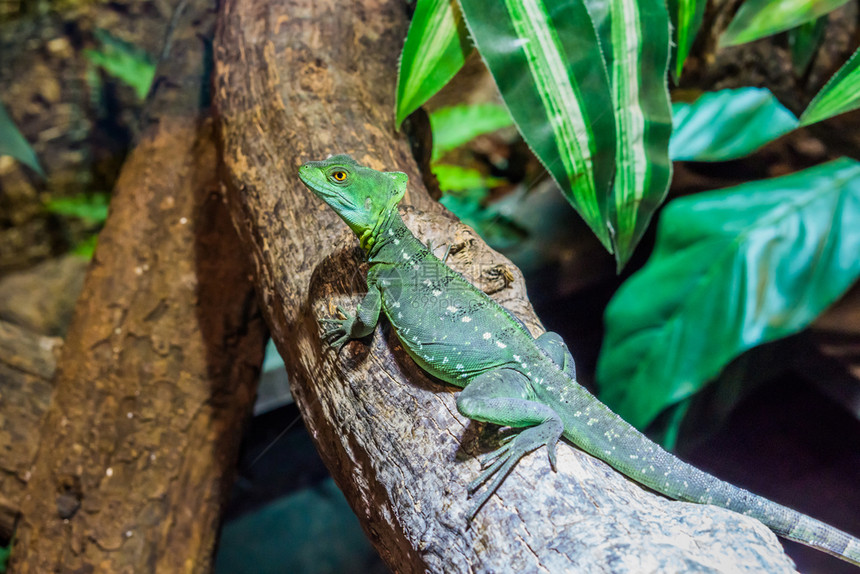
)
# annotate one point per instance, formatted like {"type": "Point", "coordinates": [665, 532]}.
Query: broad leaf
{"type": "Point", "coordinates": [14, 144]}
{"type": "Point", "coordinates": [728, 124]}
{"type": "Point", "coordinates": [839, 95]}
{"type": "Point", "coordinates": [759, 18]}
{"type": "Point", "coordinates": [436, 48]}
{"type": "Point", "coordinates": [454, 126]}
{"type": "Point", "coordinates": [635, 37]}
{"type": "Point", "coordinates": [686, 21]}
{"type": "Point", "coordinates": [731, 269]}
{"type": "Point", "coordinates": [546, 61]}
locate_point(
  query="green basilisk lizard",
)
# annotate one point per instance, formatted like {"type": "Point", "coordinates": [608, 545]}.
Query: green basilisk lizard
{"type": "Point", "coordinates": [508, 377]}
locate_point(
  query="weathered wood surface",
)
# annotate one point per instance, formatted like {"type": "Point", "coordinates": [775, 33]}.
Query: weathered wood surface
{"type": "Point", "coordinates": [28, 362]}
{"type": "Point", "coordinates": [302, 79]}
{"type": "Point", "coordinates": [42, 298]}
{"type": "Point", "coordinates": [157, 375]}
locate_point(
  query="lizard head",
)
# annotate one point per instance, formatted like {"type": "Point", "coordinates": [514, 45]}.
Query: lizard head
{"type": "Point", "coordinates": [363, 197]}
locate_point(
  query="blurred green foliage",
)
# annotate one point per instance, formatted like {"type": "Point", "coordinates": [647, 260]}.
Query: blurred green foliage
{"type": "Point", "coordinates": [92, 208]}
{"type": "Point", "coordinates": [126, 62]}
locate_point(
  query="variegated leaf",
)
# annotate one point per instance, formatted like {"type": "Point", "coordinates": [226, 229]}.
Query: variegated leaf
{"type": "Point", "coordinates": [686, 18]}
{"type": "Point", "coordinates": [546, 61]}
{"type": "Point", "coordinates": [636, 37]}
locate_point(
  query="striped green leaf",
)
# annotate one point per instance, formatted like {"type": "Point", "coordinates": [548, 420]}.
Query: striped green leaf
{"type": "Point", "coordinates": [436, 48]}
{"type": "Point", "coordinates": [759, 18]}
{"type": "Point", "coordinates": [635, 37]}
{"type": "Point", "coordinates": [686, 21]}
{"type": "Point", "coordinates": [839, 95]}
{"type": "Point", "coordinates": [731, 269]}
{"type": "Point", "coordinates": [546, 61]}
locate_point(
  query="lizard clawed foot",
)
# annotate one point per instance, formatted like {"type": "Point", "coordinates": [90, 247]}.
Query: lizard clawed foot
{"type": "Point", "coordinates": [503, 459]}
{"type": "Point", "coordinates": [336, 331]}
{"type": "Point", "coordinates": [431, 248]}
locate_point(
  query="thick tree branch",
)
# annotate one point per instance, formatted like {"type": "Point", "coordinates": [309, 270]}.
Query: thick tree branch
{"type": "Point", "coordinates": [157, 374]}
{"type": "Point", "coordinates": [27, 366]}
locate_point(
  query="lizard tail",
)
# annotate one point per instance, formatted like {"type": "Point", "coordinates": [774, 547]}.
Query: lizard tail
{"type": "Point", "coordinates": [594, 428]}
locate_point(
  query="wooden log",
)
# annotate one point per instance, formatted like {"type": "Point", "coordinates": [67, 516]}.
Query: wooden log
{"type": "Point", "coordinates": [27, 366]}
{"type": "Point", "coordinates": [159, 369]}
{"type": "Point", "coordinates": [302, 79]}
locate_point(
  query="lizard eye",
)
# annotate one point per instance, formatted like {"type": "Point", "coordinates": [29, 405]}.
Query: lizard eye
{"type": "Point", "coordinates": [339, 176]}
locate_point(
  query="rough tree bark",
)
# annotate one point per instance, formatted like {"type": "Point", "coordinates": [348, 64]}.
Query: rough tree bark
{"type": "Point", "coordinates": [302, 79]}
{"type": "Point", "coordinates": [157, 376]}
{"type": "Point", "coordinates": [28, 361]}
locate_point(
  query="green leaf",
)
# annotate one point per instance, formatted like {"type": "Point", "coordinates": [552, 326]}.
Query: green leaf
{"type": "Point", "coordinates": [14, 144]}
{"type": "Point", "coordinates": [92, 207]}
{"type": "Point", "coordinates": [804, 42]}
{"type": "Point", "coordinates": [124, 61]}
{"type": "Point", "coordinates": [686, 21]}
{"type": "Point", "coordinates": [436, 48]}
{"type": "Point", "coordinates": [839, 95]}
{"type": "Point", "coordinates": [458, 178]}
{"type": "Point", "coordinates": [499, 231]}
{"type": "Point", "coordinates": [456, 125]}
{"type": "Point", "coordinates": [636, 38]}
{"type": "Point", "coordinates": [546, 61]}
{"type": "Point", "coordinates": [759, 18]}
{"type": "Point", "coordinates": [728, 124]}
{"type": "Point", "coordinates": [731, 269]}
{"type": "Point", "coordinates": [87, 247]}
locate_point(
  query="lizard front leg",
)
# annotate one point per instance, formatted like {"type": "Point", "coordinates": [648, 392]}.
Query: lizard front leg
{"type": "Point", "coordinates": [501, 396]}
{"type": "Point", "coordinates": [340, 331]}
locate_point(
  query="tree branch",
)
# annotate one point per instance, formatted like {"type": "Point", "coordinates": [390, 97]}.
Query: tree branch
{"type": "Point", "coordinates": [159, 367]}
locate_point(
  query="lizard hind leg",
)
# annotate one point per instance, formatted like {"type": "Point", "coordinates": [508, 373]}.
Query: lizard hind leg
{"type": "Point", "coordinates": [501, 396]}
{"type": "Point", "coordinates": [554, 346]}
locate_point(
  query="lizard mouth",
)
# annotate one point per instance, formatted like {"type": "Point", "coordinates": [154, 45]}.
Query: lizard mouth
{"type": "Point", "coordinates": [317, 183]}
